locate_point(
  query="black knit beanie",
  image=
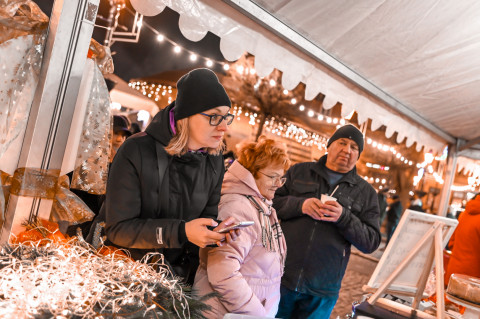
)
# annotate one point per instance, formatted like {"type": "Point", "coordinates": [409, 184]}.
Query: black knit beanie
{"type": "Point", "coordinates": [351, 132]}
{"type": "Point", "coordinates": [197, 91]}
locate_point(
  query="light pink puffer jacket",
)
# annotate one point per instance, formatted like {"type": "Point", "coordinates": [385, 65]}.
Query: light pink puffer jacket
{"type": "Point", "coordinates": [244, 274]}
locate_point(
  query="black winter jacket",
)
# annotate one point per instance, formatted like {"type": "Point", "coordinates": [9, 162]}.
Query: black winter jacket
{"type": "Point", "coordinates": [318, 251]}
{"type": "Point", "coordinates": [132, 215]}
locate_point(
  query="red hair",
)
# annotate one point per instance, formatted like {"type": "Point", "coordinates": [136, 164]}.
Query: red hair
{"type": "Point", "coordinates": [255, 156]}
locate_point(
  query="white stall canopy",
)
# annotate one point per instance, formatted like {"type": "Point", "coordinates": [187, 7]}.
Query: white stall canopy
{"type": "Point", "coordinates": [413, 66]}
{"type": "Point", "coordinates": [123, 94]}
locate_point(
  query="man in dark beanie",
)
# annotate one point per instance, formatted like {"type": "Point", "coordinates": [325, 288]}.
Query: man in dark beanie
{"type": "Point", "coordinates": [320, 230]}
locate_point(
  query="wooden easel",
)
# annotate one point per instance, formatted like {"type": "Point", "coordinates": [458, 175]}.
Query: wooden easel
{"type": "Point", "coordinates": [434, 234]}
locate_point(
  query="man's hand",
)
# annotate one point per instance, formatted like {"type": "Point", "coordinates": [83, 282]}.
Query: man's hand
{"type": "Point", "coordinates": [312, 207]}
{"type": "Point", "coordinates": [198, 233]}
{"type": "Point", "coordinates": [331, 211]}
{"type": "Point", "coordinates": [328, 212]}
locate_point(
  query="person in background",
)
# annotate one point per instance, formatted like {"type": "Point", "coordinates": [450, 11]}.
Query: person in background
{"type": "Point", "coordinates": [228, 159]}
{"type": "Point", "coordinates": [164, 184]}
{"type": "Point", "coordinates": [246, 274]}
{"type": "Point", "coordinates": [394, 213]}
{"type": "Point", "coordinates": [416, 202]}
{"type": "Point", "coordinates": [382, 203]}
{"type": "Point", "coordinates": [465, 243]}
{"type": "Point", "coordinates": [319, 235]}
{"type": "Point", "coordinates": [121, 132]}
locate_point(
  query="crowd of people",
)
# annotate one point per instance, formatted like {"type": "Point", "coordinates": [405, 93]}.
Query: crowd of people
{"type": "Point", "coordinates": [168, 191]}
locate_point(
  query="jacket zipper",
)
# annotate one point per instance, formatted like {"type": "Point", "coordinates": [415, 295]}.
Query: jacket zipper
{"type": "Point", "coordinates": [308, 249]}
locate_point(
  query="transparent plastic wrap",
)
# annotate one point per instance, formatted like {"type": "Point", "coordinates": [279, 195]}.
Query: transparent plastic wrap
{"type": "Point", "coordinates": [465, 287]}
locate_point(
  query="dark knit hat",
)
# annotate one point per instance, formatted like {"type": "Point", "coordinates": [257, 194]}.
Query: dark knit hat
{"type": "Point", "coordinates": [120, 125]}
{"type": "Point", "coordinates": [197, 91]}
{"type": "Point", "coordinates": [351, 132]}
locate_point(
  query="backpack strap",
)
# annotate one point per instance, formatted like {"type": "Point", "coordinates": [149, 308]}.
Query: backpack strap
{"type": "Point", "coordinates": [163, 179]}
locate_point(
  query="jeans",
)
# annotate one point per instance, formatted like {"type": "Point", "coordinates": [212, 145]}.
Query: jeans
{"type": "Point", "coordinates": [304, 306]}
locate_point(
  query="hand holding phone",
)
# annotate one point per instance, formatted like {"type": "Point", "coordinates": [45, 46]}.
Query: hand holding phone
{"type": "Point", "coordinates": [236, 226]}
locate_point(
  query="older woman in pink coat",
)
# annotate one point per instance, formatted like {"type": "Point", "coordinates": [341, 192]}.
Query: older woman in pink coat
{"type": "Point", "coordinates": [246, 273]}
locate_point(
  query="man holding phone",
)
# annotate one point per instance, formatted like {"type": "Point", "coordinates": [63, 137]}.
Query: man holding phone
{"type": "Point", "coordinates": [319, 233]}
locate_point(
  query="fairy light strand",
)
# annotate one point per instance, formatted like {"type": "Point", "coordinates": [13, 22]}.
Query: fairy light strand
{"type": "Point", "coordinates": [70, 280]}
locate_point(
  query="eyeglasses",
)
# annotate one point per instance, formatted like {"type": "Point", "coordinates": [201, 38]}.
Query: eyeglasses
{"type": "Point", "coordinates": [216, 119]}
{"type": "Point", "coordinates": [276, 180]}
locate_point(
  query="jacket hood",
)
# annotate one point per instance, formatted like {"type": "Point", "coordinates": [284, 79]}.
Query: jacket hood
{"type": "Point", "coordinates": [159, 128]}
{"type": "Point", "coordinates": [239, 180]}
{"type": "Point", "coordinates": [473, 206]}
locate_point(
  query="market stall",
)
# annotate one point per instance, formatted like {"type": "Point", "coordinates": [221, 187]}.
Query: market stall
{"type": "Point", "coordinates": [276, 48]}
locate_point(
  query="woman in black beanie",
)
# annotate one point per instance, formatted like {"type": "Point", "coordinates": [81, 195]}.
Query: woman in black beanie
{"type": "Point", "coordinates": [164, 184]}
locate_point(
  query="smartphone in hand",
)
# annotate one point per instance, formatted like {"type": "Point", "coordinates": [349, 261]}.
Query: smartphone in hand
{"type": "Point", "coordinates": [236, 226]}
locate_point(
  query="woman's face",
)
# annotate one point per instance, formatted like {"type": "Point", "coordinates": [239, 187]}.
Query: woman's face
{"type": "Point", "coordinates": [269, 179]}
{"type": "Point", "coordinates": [202, 134]}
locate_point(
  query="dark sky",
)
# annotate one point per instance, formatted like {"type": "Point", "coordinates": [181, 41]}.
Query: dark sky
{"type": "Point", "coordinates": [148, 56]}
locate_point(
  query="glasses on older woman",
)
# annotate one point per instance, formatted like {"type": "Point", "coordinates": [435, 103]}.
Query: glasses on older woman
{"type": "Point", "coordinates": [276, 180]}
{"type": "Point", "coordinates": [216, 119]}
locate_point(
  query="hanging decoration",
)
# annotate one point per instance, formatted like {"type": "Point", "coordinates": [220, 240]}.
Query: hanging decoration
{"type": "Point", "coordinates": [22, 35]}
{"type": "Point", "coordinates": [91, 164]}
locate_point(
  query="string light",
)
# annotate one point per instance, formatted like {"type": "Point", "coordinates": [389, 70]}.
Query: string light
{"type": "Point", "coordinates": [375, 180]}
{"type": "Point", "coordinates": [153, 91]}
{"type": "Point", "coordinates": [71, 280]}
{"type": "Point", "coordinates": [462, 188]}
{"type": "Point", "coordinates": [386, 148]}
{"type": "Point", "coordinates": [283, 128]}
{"type": "Point", "coordinates": [377, 166]}
{"type": "Point", "coordinates": [209, 62]}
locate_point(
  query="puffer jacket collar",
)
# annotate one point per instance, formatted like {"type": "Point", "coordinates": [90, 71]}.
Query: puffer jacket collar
{"type": "Point", "coordinates": [239, 180]}
{"type": "Point", "coordinates": [159, 128]}
{"type": "Point", "coordinates": [350, 177]}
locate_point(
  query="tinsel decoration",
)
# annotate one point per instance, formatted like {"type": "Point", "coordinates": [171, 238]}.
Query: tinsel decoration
{"type": "Point", "coordinates": [54, 278]}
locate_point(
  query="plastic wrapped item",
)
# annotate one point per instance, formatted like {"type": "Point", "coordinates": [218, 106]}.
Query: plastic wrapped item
{"type": "Point", "coordinates": [91, 163]}
{"type": "Point", "coordinates": [465, 287]}
{"type": "Point", "coordinates": [22, 34]}
{"type": "Point", "coordinates": [102, 56]}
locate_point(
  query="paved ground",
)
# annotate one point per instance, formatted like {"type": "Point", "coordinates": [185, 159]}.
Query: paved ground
{"type": "Point", "coordinates": [359, 271]}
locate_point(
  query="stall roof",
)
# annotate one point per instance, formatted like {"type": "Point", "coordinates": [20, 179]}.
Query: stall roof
{"type": "Point", "coordinates": [122, 93]}
{"type": "Point", "coordinates": [413, 66]}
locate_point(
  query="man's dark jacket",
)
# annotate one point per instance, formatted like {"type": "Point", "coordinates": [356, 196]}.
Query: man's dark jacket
{"type": "Point", "coordinates": [132, 214]}
{"type": "Point", "coordinates": [318, 251]}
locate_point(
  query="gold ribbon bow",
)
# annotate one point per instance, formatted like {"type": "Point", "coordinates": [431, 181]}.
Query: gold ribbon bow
{"type": "Point", "coordinates": [33, 182]}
